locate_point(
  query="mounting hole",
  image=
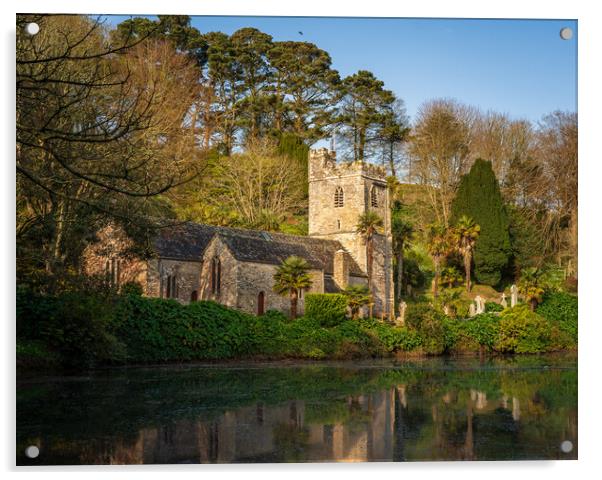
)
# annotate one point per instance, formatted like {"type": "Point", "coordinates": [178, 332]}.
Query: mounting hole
{"type": "Point", "coordinates": [566, 446]}
{"type": "Point", "coordinates": [32, 451]}
{"type": "Point", "coordinates": [566, 33]}
{"type": "Point", "coordinates": [32, 29]}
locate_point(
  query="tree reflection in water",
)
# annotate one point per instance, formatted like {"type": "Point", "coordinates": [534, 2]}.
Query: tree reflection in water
{"type": "Point", "coordinates": [435, 409]}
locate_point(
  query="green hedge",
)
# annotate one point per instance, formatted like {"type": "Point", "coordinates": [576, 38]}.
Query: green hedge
{"type": "Point", "coordinates": [86, 329]}
{"type": "Point", "coordinates": [561, 309]}
{"type": "Point", "coordinates": [329, 309]}
{"type": "Point", "coordinates": [522, 331]}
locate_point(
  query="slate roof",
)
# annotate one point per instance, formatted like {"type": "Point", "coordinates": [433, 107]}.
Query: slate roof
{"type": "Point", "coordinates": [188, 241]}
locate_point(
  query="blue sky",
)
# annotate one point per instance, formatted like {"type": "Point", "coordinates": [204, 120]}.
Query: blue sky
{"type": "Point", "coordinates": [519, 67]}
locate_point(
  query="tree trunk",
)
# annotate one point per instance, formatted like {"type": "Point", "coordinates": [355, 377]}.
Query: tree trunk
{"type": "Point", "coordinates": [369, 263]}
{"type": "Point", "coordinates": [392, 160]}
{"type": "Point", "coordinates": [574, 240]}
{"type": "Point", "coordinates": [293, 303]}
{"type": "Point", "coordinates": [436, 281]}
{"type": "Point", "coordinates": [361, 146]}
{"type": "Point", "coordinates": [533, 304]}
{"type": "Point", "coordinates": [467, 264]}
{"type": "Point", "coordinates": [399, 275]}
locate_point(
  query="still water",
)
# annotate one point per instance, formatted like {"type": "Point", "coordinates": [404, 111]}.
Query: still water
{"type": "Point", "coordinates": [429, 409]}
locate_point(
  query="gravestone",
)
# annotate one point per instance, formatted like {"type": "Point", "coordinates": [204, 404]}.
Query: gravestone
{"type": "Point", "coordinates": [503, 302]}
{"type": "Point", "coordinates": [472, 310]}
{"type": "Point", "coordinates": [480, 304]}
{"type": "Point", "coordinates": [401, 318]}
{"type": "Point", "coordinates": [513, 295]}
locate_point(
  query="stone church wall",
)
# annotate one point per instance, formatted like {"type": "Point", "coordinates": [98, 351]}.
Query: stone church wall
{"type": "Point", "coordinates": [187, 275]}
{"type": "Point", "coordinates": [258, 277]}
{"type": "Point", "coordinates": [111, 257]}
{"type": "Point", "coordinates": [228, 294]}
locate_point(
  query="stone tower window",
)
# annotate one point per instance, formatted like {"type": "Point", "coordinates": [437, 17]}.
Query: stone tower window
{"type": "Point", "coordinates": [373, 197]}
{"type": "Point", "coordinates": [338, 197]}
{"type": "Point", "coordinates": [338, 224]}
{"type": "Point", "coordinates": [216, 276]}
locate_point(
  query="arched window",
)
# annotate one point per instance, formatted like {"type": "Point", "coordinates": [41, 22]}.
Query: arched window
{"type": "Point", "coordinates": [373, 197]}
{"type": "Point", "coordinates": [216, 274]}
{"type": "Point", "coordinates": [260, 303]}
{"type": "Point", "coordinates": [339, 197]}
{"type": "Point", "coordinates": [194, 296]}
{"type": "Point", "coordinates": [171, 287]}
{"type": "Point", "coordinates": [112, 271]}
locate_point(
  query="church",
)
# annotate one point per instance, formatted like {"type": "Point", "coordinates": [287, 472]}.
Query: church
{"type": "Point", "coordinates": [235, 267]}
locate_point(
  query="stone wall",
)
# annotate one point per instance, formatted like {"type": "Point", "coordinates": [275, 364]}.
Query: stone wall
{"type": "Point", "coordinates": [254, 278]}
{"type": "Point", "coordinates": [228, 291]}
{"type": "Point", "coordinates": [187, 275]}
{"type": "Point", "coordinates": [111, 257]}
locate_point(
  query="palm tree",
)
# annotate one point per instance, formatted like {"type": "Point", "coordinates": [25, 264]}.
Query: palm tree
{"type": "Point", "coordinates": [450, 276]}
{"type": "Point", "coordinates": [439, 247]}
{"type": "Point", "coordinates": [367, 225]}
{"type": "Point", "coordinates": [290, 277]}
{"type": "Point", "coordinates": [402, 232]}
{"type": "Point", "coordinates": [357, 297]}
{"type": "Point", "coordinates": [529, 286]}
{"type": "Point", "coordinates": [467, 232]}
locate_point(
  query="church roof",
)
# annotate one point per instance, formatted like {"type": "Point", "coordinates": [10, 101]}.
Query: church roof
{"type": "Point", "coordinates": [188, 241]}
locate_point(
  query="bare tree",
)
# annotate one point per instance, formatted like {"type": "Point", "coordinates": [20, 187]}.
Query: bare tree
{"type": "Point", "coordinates": [439, 148]}
{"type": "Point", "coordinates": [101, 128]}
{"type": "Point", "coordinates": [262, 187]}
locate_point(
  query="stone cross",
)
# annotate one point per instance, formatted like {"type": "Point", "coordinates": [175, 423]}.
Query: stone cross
{"type": "Point", "coordinates": [503, 302]}
{"type": "Point", "coordinates": [480, 304]}
{"type": "Point", "coordinates": [513, 295]}
{"type": "Point", "coordinates": [401, 319]}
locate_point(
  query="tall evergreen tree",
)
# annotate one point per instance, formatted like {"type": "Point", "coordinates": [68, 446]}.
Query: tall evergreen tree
{"type": "Point", "coordinates": [293, 146]}
{"type": "Point", "coordinates": [303, 88]}
{"type": "Point", "coordinates": [479, 198]}
{"type": "Point", "coordinates": [363, 109]}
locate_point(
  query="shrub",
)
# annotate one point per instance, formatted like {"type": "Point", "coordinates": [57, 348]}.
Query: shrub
{"type": "Point", "coordinates": [561, 309]}
{"type": "Point", "coordinates": [275, 315]}
{"type": "Point", "coordinates": [570, 285]}
{"type": "Point", "coordinates": [522, 331]}
{"type": "Point", "coordinates": [471, 334]}
{"type": "Point", "coordinates": [35, 353]}
{"type": "Point", "coordinates": [427, 322]}
{"type": "Point", "coordinates": [329, 309]}
{"type": "Point", "coordinates": [392, 339]}
{"type": "Point", "coordinates": [79, 325]}
{"type": "Point", "coordinates": [131, 288]}
{"type": "Point", "coordinates": [484, 329]}
{"type": "Point", "coordinates": [493, 307]}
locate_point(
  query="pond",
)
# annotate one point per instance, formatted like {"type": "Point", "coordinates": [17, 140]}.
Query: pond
{"type": "Point", "coordinates": [413, 410]}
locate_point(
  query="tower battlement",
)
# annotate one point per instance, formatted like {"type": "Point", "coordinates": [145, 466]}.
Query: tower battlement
{"type": "Point", "coordinates": [323, 164]}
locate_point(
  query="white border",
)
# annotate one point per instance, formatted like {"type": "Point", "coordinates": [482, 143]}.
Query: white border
{"type": "Point", "coordinates": [590, 232]}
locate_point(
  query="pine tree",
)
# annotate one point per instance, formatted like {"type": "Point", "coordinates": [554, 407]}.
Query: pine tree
{"type": "Point", "coordinates": [479, 198]}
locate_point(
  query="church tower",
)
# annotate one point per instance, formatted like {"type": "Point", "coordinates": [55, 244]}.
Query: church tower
{"type": "Point", "coordinates": [338, 194]}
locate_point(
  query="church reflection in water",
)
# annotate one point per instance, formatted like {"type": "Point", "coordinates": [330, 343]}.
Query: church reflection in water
{"type": "Point", "coordinates": [378, 426]}
{"type": "Point", "coordinates": [313, 414]}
